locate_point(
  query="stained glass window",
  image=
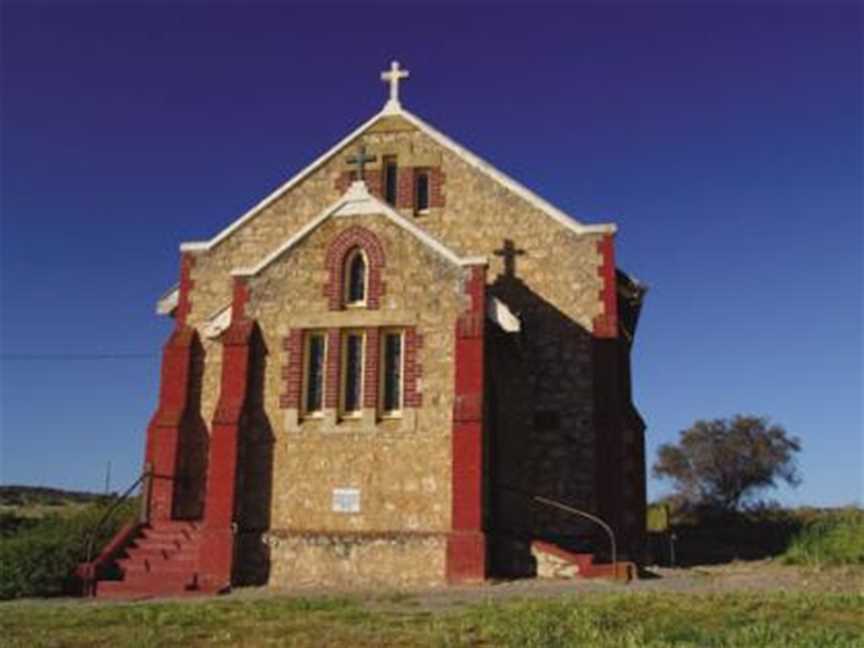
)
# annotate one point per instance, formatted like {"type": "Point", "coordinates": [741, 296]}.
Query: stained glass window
{"type": "Point", "coordinates": [352, 401]}
{"type": "Point", "coordinates": [390, 170]}
{"type": "Point", "coordinates": [392, 367]}
{"type": "Point", "coordinates": [421, 202]}
{"type": "Point", "coordinates": [356, 292]}
{"type": "Point", "coordinates": [315, 348]}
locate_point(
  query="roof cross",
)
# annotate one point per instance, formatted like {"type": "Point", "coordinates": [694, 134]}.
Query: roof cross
{"type": "Point", "coordinates": [393, 76]}
{"type": "Point", "coordinates": [360, 159]}
{"type": "Point", "coordinates": [509, 251]}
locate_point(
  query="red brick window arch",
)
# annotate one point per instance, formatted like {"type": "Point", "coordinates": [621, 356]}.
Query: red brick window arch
{"type": "Point", "coordinates": [355, 258]}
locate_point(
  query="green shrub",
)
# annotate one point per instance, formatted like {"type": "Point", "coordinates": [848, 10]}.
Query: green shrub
{"type": "Point", "coordinates": [40, 558]}
{"type": "Point", "coordinates": [11, 523]}
{"type": "Point", "coordinates": [835, 538]}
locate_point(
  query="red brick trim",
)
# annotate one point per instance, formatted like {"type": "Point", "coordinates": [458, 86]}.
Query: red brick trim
{"type": "Point", "coordinates": [405, 188]}
{"type": "Point", "coordinates": [216, 550]}
{"type": "Point", "coordinates": [466, 545]}
{"type": "Point", "coordinates": [371, 369]}
{"type": "Point", "coordinates": [606, 324]}
{"type": "Point", "coordinates": [184, 298]}
{"type": "Point", "coordinates": [436, 187]}
{"type": "Point", "coordinates": [413, 368]}
{"type": "Point", "coordinates": [332, 372]}
{"type": "Point", "coordinates": [164, 431]}
{"type": "Point", "coordinates": [292, 371]}
{"type": "Point", "coordinates": [466, 557]}
{"type": "Point", "coordinates": [345, 242]}
{"type": "Point", "coordinates": [240, 298]}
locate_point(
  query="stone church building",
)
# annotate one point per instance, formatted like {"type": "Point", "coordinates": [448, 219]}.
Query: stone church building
{"type": "Point", "coordinates": [376, 371]}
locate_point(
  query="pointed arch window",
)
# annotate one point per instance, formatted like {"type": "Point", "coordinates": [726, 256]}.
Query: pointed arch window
{"type": "Point", "coordinates": [356, 278]}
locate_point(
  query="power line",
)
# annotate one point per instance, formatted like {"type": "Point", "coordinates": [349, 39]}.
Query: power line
{"type": "Point", "coordinates": [77, 356]}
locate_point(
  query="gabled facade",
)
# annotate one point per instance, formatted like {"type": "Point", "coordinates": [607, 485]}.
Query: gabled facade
{"type": "Point", "coordinates": [377, 369]}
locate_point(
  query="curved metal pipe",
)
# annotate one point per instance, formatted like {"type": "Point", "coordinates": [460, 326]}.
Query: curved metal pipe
{"type": "Point", "coordinates": [591, 517]}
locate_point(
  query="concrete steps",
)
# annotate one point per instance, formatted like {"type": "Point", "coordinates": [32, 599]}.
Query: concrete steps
{"type": "Point", "coordinates": [161, 561]}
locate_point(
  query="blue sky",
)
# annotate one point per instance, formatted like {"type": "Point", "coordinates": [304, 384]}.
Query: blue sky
{"type": "Point", "coordinates": [726, 142]}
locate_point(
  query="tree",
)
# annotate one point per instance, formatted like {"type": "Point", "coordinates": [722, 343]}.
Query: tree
{"type": "Point", "coordinates": [723, 464]}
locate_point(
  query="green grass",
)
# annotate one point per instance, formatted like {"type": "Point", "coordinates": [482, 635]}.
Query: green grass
{"type": "Point", "coordinates": [38, 555]}
{"type": "Point", "coordinates": [601, 620]}
{"type": "Point", "coordinates": [836, 539]}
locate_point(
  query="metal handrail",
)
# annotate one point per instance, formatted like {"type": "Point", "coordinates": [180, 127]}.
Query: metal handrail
{"type": "Point", "coordinates": [591, 517]}
{"type": "Point", "coordinates": [145, 480]}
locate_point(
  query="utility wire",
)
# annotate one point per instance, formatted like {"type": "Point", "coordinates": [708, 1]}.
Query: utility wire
{"type": "Point", "coordinates": [76, 356]}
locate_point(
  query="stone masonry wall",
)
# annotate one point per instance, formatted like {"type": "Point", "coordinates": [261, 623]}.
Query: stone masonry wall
{"type": "Point", "coordinates": [401, 467]}
{"type": "Point", "coordinates": [346, 560]}
{"type": "Point", "coordinates": [554, 288]}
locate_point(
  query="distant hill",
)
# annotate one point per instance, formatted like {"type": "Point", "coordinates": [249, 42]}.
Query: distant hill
{"type": "Point", "coordinates": [44, 496]}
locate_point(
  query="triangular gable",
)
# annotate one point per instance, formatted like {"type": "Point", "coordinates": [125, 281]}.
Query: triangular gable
{"type": "Point", "coordinates": [389, 113]}
{"type": "Point", "coordinates": [355, 202]}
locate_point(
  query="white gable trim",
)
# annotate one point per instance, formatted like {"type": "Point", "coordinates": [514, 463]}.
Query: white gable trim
{"type": "Point", "coordinates": [202, 246]}
{"type": "Point", "coordinates": [356, 201]}
{"type": "Point", "coordinates": [166, 304]}
{"type": "Point", "coordinates": [466, 155]}
{"type": "Point", "coordinates": [287, 245]}
{"type": "Point", "coordinates": [218, 322]}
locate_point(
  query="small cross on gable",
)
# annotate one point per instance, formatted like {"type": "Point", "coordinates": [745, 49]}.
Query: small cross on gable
{"type": "Point", "coordinates": [509, 252]}
{"type": "Point", "coordinates": [360, 159]}
{"type": "Point", "coordinates": [393, 76]}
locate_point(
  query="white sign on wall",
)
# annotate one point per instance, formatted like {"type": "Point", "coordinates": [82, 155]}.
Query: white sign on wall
{"type": "Point", "coordinates": [346, 500]}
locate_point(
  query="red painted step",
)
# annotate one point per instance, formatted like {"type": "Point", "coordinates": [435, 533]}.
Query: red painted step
{"type": "Point", "coordinates": [169, 536]}
{"type": "Point", "coordinates": [145, 552]}
{"type": "Point", "coordinates": [148, 580]}
{"type": "Point", "coordinates": [157, 566]}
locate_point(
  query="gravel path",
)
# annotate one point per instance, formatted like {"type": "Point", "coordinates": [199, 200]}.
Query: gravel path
{"type": "Point", "coordinates": [755, 576]}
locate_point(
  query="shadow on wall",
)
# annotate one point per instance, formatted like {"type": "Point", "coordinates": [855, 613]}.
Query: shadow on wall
{"type": "Point", "coordinates": [542, 418]}
{"type": "Point", "coordinates": [194, 445]}
{"type": "Point", "coordinates": [255, 475]}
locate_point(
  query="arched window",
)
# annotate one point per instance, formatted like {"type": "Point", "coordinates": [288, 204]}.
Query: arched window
{"type": "Point", "coordinates": [355, 278]}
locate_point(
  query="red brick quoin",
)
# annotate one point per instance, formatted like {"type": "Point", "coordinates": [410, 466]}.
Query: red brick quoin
{"type": "Point", "coordinates": [466, 543]}
{"type": "Point", "coordinates": [344, 243]}
{"type": "Point", "coordinates": [216, 552]}
{"type": "Point", "coordinates": [292, 370]}
{"type": "Point", "coordinates": [606, 324]}
{"type": "Point", "coordinates": [184, 300]}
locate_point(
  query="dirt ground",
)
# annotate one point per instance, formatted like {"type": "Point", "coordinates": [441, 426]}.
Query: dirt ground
{"type": "Point", "coordinates": [740, 576]}
{"type": "Point", "coordinates": [752, 576]}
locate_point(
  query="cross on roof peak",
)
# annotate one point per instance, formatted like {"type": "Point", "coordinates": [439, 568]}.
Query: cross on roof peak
{"type": "Point", "coordinates": [393, 76]}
